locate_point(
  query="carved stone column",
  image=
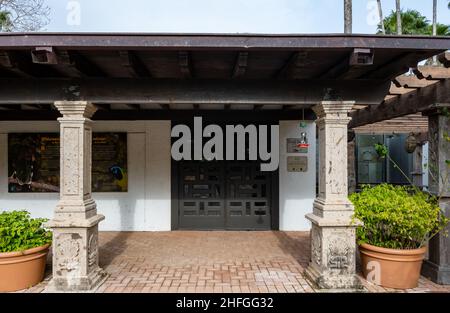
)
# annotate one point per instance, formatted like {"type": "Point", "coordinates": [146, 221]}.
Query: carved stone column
{"type": "Point", "coordinates": [333, 242]}
{"type": "Point", "coordinates": [75, 223]}
{"type": "Point", "coordinates": [437, 267]}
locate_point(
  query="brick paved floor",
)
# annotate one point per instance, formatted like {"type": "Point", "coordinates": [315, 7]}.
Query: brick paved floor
{"type": "Point", "coordinates": [219, 261]}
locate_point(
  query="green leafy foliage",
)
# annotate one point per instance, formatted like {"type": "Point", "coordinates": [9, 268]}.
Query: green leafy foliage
{"type": "Point", "coordinates": [396, 217]}
{"type": "Point", "coordinates": [381, 150]}
{"type": "Point", "coordinates": [413, 23]}
{"type": "Point", "coordinates": [5, 20]}
{"type": "Point", "coordinates": [18, 232]}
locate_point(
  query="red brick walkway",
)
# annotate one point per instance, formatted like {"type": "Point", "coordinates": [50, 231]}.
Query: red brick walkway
{"type": "Point", "coordinates": [210, 262]}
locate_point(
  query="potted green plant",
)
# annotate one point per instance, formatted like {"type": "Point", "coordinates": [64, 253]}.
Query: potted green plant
{"type": "Point", "coordinates": [24, 245]}
{"type": "Point", "coordinates": [397, 222]}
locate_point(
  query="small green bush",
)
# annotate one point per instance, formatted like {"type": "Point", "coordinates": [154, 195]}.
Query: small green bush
{"type": "Point", "coordinates": [19, 232]}
{"type": "Point", "coordinates": [396, 217]}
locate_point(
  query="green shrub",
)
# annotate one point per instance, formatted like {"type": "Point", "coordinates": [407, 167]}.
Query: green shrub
{"type": "Point", "coordinates": [19, 232]}
{"type": "Point", "coordinates": [396, 217]}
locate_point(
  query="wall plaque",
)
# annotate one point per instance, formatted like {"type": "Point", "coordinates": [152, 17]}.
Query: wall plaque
{"type": "Point", "coordinates": [297, 164]}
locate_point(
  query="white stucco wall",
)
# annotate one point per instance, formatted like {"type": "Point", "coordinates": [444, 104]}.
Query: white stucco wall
{"type": "Point", "coordinates": [297, 189]}
{"type": "Point", "coordinates": [425, 168]}
{"type": "Point", "coordinates": [145, 207]}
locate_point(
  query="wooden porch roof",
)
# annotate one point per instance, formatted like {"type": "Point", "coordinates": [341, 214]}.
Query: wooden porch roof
{"type": "Point", "coordinates": [138, 72]}
{"type": "Point", "coordinates": [213, 56]}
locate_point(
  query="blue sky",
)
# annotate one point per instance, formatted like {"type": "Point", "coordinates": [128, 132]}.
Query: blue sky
{"type": "Point", "coordinates": [225, 16]}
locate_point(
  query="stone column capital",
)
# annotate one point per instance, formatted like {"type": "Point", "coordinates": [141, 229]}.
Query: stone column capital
{"type": "Point", "coordinates": [336, 110]}
{"type": "Point", "coordinates": [75, 109]}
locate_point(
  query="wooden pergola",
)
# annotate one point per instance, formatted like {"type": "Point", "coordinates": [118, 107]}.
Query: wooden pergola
{"type": "Point", "coordinates": [409, 94]}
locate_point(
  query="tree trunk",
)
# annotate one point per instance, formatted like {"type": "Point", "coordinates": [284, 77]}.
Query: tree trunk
{"type": "Point", "coordinates": [399, 17]}
{"type": "Point", "coordinates": [380, 12]}
{"type": "Point", "coordinates": [348, 16]}
{"type": "Point", "coordinates": [435, 27]}
{"type": "Point", "coordinates": [434, 17]}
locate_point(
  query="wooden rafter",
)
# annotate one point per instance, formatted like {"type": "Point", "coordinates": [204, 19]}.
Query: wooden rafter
{"type": "Point", "coordinates": [287, 70]}
{"type": "Point", "coordinates": [134, 65]}
{"type": "Point", "coordinates": [70, 64]}
{"type": "Point", "coordinates": [240, 67]}
{"type": "Point", "coordinates": [184, 62]}
{"type": "Point", "coordinates": [103, 106]}
{"type": "Point", "coordinates": [15, 64]}
{"type": "Point", "coordinates": [133, 106]}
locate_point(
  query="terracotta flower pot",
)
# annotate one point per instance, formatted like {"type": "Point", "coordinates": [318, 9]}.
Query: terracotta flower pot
{"type": "Point", "coordinates": [397, 268]}
{"type": "Point", "coordinates": [24, 269]}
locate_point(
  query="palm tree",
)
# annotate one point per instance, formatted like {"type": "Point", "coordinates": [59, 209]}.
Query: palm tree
{"type": "Point", "coordinates": [399, 17]}
{"type": "Point", "coordinates": [434, 17]}
{"type": "Point", "coordinates": [413, 23]}
{"type": "Point", "coordinates": [348, 16]}
{"type": "Point", "coordinates": [380, 12]}
{"type": "Point", "coordinates": [434, 26]}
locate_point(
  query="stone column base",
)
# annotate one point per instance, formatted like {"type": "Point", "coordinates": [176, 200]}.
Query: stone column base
{"type": "Point", "coordinates": [75, 255]}
{"type": "Point", "coordinates": [89, 283]}
{"type": "Point", "coordinates": [436, 273]}
{"type": "Point", "coordinates": [329, 280]}
{"type": "Point", "coordinates": [333, 251]}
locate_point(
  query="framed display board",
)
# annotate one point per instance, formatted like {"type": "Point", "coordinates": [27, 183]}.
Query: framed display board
{"type": "Point", "coordinates": [33, 162]}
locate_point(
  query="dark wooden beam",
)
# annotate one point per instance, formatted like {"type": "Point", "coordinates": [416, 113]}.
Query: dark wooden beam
{"type": "Point", "coordinates": [337, 70]}
{"type": "Point", "coordinates": [184, 62]}
{"type": "Point", "coordinates": [240, 66]}
{"type": "Point", "coordinates": [265, 116]}
{"type": "Point", "coordinates": [164, 106]}
{"type": "Point", "coordinates": [103, 106]}
{"type": "Point", "coordinates": [257, 107]}
{"type": "Point", "coordinates": [14, 107]}
{"type": "Point", "coordinates": [83, 66]}
{"type": "Point", "coordinates": [35, 106]}
{"type": "Point", "coordinates": [67, 66]}
{"type": "Point", "coordinates": [168, 91]}
{"type": "Point", "coordinates": [15, 64]}
{"type": "Point", "coordinates": [134, 106]}
{"type": "Point", "coordinates": [296, 60]}
{"type": "Point", "coordinates": [417, 101]}
{"type": "Point", "coordinates": [131, 61]}
{"type": "Point", "coordinates": [287, 107]}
